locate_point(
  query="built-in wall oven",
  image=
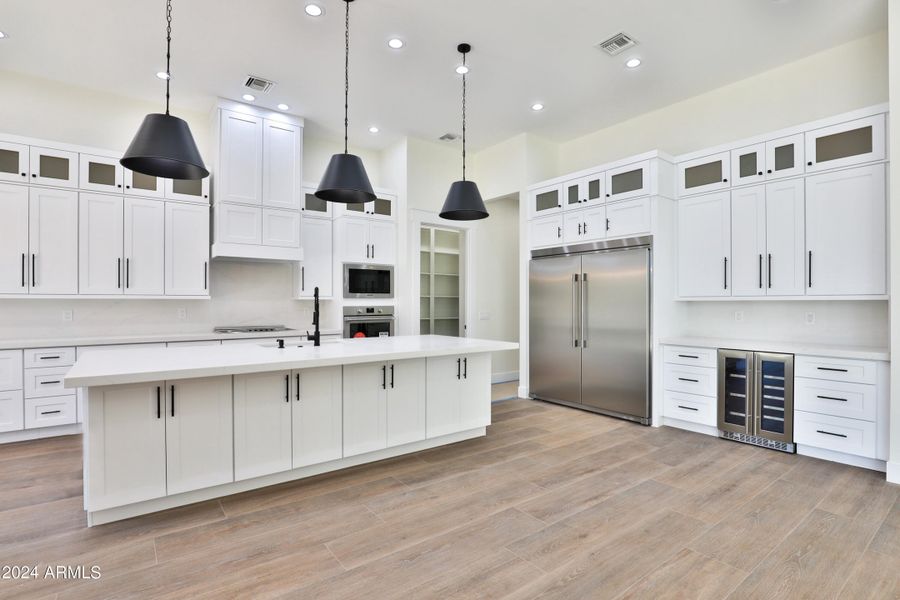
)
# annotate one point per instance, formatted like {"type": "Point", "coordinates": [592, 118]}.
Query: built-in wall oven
{"type": "Point", "coordinates": [368, 321]}
{"type": "Point", "coordinates": [368, 281]}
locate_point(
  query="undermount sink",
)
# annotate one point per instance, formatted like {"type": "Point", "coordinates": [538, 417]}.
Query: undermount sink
{"type": "Point", "coordinates": [274, 344]}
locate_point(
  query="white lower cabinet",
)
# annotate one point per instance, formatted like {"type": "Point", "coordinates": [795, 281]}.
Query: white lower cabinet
{"type": "Point", "coordinates": [262, 424]}
{"type": "Point", "coordinates": [12, 415]}
{"type": "Point", "coordinates": [11, 370]}
{"type": "Point", "coordinates": [849, 436]}
{"type": "Point", "coordinates": [50, 411]}
{"type": "Point", "coordinates": [406, 402]}
{"type": "Point", "coordinates": [456, 394]}
{"type": "Point", "coordinates": [690, 382]}
{"type": "Point", "coordinates": [187, 249]}
{"type": "Point", "coordinates": [126, 445]}
{"type": "Point", "coordinates": [317, 416]}
{"type": "Point", "coordinates": [199, 434]}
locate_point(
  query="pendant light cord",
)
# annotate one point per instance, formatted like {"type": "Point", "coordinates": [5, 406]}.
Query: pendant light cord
{"type": "Point", "coordinates": [168, 49]}
{"type": "Point", "coordinates": [464, 120]}
{"type": "Point", "coordinates": [346, 73]}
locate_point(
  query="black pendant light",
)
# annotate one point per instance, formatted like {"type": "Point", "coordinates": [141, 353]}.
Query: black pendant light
{"type": "Point", "coordinates": [464, 201]}
{"type": "Point", "coordinates": [163, 146]}
{"type": "Point", "coordinates": [345, 180]}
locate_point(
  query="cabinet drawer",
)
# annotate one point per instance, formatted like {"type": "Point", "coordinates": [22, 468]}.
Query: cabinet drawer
{"type": "Point", "coordinates": [836, 398]}
{"type": "Point", "coordinates": [684, 355]}
{"type": "Point", "coordinates": [692, 380]}
{"type": "Point", "coordinates": [47, 412]}
{"type": "Point", "coordinates": [835, 433]}
{"type": "Point", "coordinates": [42, 383]}
{"type": "Point", "coordinates": [836, 369]}
{"type": "Point", "coordinates": [49, 357]}
{"type": "Point", "coordinates": [690, 407]}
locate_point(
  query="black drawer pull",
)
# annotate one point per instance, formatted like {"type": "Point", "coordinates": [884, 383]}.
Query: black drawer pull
{"type": "Point", "coordinates": [50, 412]}
{"type": "Point", "coordinates": [840, 435]}
{"type": "Point", "coordinates": [688, 356]}
{"type": "Point", "coordinates": [832, 398]}
{"type": "Point", "coordinates": [689, 408]}
{"type": "Point", "coordinates": [287, 388]}
{"type": "Point", "coordinates": [158, 406]}
{"type": "Point", "coordinates": [172, 394]}
{"type": "Point", "coordinates": [49, 357]}
{"type": "Point", "coordinates": [832, 369]}
{"type": "Point", "coordinates": [297, 391]}
{"type": "Point", "coordinates": [690, 380]}
{"type": "Point", "coordinates": [50, 382]}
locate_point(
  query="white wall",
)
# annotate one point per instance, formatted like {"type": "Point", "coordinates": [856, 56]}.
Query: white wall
{"type": "Point", "coordinates": [893, 473]}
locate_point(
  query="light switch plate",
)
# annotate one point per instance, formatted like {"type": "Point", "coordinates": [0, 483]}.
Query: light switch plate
{"type": "Point", "coordinates": [182, 314]}
{"type": "Point", "coordinates": [739, 315]}
{"type": "Point", "coordinates": [67, 316]}
{"type": "Point", "coordinates": [810, 318]}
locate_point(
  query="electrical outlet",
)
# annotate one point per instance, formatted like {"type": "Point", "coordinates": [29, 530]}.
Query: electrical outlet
{"type": "Point", "coordinates": [484, 316]}
{"type": "Point", "coordinates": [68, 316]}
{"type": "Point", "coordinates": [738, 315]}
{"type": "Point", "coordinates": [810, 318]}
{"type": "Point", "coordinates": [182, 314]}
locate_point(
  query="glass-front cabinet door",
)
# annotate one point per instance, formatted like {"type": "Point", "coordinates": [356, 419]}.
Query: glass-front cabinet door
{"type": "Point", "coordinates": [784, 157]}
{"type": "Point", "coordinates": [774, 398]}
{"type": "Point", "coordinates": [735, 389]}
{"type": "Point", "coordinates": [748, 164]}
{"type": "Point", "coordinates": [313, 206]}
{"type": "Point", "coordinates": [188, 190]}
{"type": "Point", "coordinates": [58, 168]}
{"type": "Point", "coordinates": [100, 174]}
{"type": "Point", "coordinates": [382, 207]}
{"type": "Point", "coordinates": [629, 181]}
{"type": "Point", "coordinates": [846, 144]}
{"type": "Point", "coordinates": [147, 186]}
{"type": "Point", "coordinates": [704, 174]}
{"type": "Point", "coordinates": [546, 201]}
{"type": "Point", "coordinates": [13, 162]}
{"type": "Point", "coordinates": [573, 194]}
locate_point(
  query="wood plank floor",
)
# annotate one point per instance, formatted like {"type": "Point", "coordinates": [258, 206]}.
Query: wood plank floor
{"type": "Point", "coordinates": [553, 503]}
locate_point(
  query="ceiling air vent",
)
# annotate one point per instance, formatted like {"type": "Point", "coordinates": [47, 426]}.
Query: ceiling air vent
{"type": "Point", "coordinates": [258, 84]}
{"type": "Point", "coordinates": [617, 44]}
{"type": "Point", "coordinates": [449, 137]}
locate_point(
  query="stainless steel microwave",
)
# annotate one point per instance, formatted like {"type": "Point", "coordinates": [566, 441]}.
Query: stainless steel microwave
{"type": "Point", "coordinates": [368, 281]}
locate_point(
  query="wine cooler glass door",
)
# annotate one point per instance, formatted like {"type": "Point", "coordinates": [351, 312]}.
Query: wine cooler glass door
{"type": "Point", "coordinates": [774, 397]}
{"type": "Point", "coordinates": [735, 391]}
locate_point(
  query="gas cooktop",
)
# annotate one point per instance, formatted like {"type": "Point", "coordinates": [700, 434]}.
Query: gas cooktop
{"type": "Point", "coordinates": [252, 329]}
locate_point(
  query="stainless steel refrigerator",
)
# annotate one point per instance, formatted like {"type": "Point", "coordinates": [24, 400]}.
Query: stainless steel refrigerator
{"type": "Point", "coordinates": [589, 328]}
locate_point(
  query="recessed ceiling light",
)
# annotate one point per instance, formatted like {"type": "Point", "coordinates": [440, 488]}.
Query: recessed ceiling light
{"type": "Point", "coordinates": [395, 43]}
{"type": "Point", "coordinates": [249, 97]}
{"type": "Point", "coordinates": [537, 106]}
{"type": "Point", "coordinates": [162, 75]}
{"type": "Point", "coordinates": [633, 63]}
{"type": "Point", "coordinates": [283, 107]}
{"type": "Point", "coordinates": [462, 69]}
{"type": "Point", "coordinates": [373, 129]}
{"type": "Point", "coordinates": [2, 35]}
{"type": "Point", "coordinates": [314, 10]}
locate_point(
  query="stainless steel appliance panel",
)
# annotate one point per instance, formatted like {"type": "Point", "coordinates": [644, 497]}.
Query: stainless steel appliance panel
{"type": "Point", "coordinates": [774, 398]}
{"type": "Point", "coordinates": [368, 321]}
{"type": "Point", "coordinates": [554, 330]}
{"type": "Point", "coordinates": [736, 391]}
{"type": "Point", "coordinates": [368, 281]}
{"type": "Point", "coordinates": [615, 332]}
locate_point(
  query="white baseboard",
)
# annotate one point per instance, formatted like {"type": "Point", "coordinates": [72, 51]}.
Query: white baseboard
{"type": "Point", "coordinates": [840, 457]}
{"type": "Point", "coordinates": [505, 377]}
{"type": "Point", "coordinates": [688, 426]}
{"type": "Point", "coordinates": [40, 433]}
{"type": "Point", "coordinates": [893, 472]}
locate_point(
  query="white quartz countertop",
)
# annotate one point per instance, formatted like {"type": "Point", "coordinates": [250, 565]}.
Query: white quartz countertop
{"type": "Point", "coordinates": [802, 348]}
{"type": "Point", "coordinates": [149, 338]}
{"type": "Point", "coordinates": [155, 364]}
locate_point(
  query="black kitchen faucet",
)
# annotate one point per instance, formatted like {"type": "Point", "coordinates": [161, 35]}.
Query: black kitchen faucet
{"type": "Point", "coordinates": [316, 337]}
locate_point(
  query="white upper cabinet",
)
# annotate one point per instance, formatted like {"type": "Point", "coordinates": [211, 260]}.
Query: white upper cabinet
{"type": "Point", "coordinates": [238, 224]}
{"type": "Point", "coordinates": [784, 157]}
{"type": "Point", "coordinates": [239, 178]}
{"type": "Point", "coordinates": [547, 231]}
{"type": "Point", "coordinates": [748, 241]}
{"type": "Point", "coordinates": [280, 228]}
{"type": "Point", "coordinates": [53, 241]}
{"type": "Point", "coordinates": [354, 240]}
{"type": "Point", "coordinates": [315, 207]}
{"type": "Point", "coordinates": [148, 186]}
{"type": "Point", "coordinates": [316, 268]}
{"type": "Point", "coordinates": [282, 154]}
{"type": "Point", "coordinates": [145, 247]}
{"type": "Point", "coordinates": [58, 168]}
{"type": "Point", "coordinates": [851, 143]}
{"type": "Point", "coordinates": [704, 246]}
{"type": "Point", "coordinates": [15, 270]}
{"type": "Point", "coordinates": [383, 240]}
{"type": "Point", "coordinates": [705, 174]}
{"type": "Point", "coordinates": [100, 244]}
{"type": "Point", "coordinates": [584, 225]}
{"type": "Point", "coordinates": [317, 416]}
{"type": "Point", "coordinates": [14, 162]}
{"type": "Point", "coordinates": [629, 218]}
{"type": "Point", "coordinates": [101, 174]}
{"type": "Point", "coordinates": [262, 424]}
{"type": "Point", "coordinates": [845, 232]}
{"type": "Point", "coordinates": [630, 181]}
{"type": "Point", "coordinates": [748, 164]}
{"type": "Point", "coordinates": [188, 190]}
{"type": "Point", "coordinates": [785, 238]}
{"type": "Point", "coordinates": [187, 249]}
{"type": "Point", "coordinates": [382, 208]}
{"type": "Point", "coordinates": [545, 201]}
{"type": "Point", "coordinates": [579, 193]}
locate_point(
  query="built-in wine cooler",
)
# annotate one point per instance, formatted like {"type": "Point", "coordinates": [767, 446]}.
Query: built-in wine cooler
{"type": "Point", "coordinates": [756, 398]}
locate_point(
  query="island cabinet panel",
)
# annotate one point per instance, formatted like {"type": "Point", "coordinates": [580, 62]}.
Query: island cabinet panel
{"type": "Point", "coordinates": [262, 424]}
{"type": "Point", "coordinates": [458, 393]}
{"type": "Point", "coordinates": [406, 402]}
{"type": "Point", "coordinates": [199, 436]}
{"type": "Point", "coordinates": [365, 408]}
{"type": "Point", "coordinates": [317, 416]}
{"type": "Point", "coordinates": [126, 445]}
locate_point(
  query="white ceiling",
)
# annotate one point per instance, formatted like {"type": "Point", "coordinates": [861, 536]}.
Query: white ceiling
{"type": "Point", "coordinates": [523, 51]}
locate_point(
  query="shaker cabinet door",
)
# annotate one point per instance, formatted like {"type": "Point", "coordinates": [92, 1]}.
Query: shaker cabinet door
{"type": "Point", "coordinates": [240, 159]}
{"type": "Point", "coordinates": [282, 155]}
{"type": "Point", "coordinates": [262, 424]}
{"type": "Point", "coordinates": [53, 241]}
{"type": "Point", "coordinates": [704, 246]}
{"type": "Point", "coordinates": [187, 249]}
{"type": "Point", "coordinates": [15, 265]}
{"type": "Point", "coordinates": [748, 241]}
{"type": "Point", "coordinates": [145, 247]}
{"type": "Point", "coordinates": [100, 243]}
{"type": "Point", "coordinates": [317, 416]}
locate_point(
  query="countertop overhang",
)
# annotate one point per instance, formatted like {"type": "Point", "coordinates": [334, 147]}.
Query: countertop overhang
{"type": "Point", "coordinates": [802, 348]}
{"type": "Point", "coordinates": [142, 365]}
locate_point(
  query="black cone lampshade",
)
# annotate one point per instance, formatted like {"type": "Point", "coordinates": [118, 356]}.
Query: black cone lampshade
{"type": "Point", "coordinates": [164, 147]}
{"type": "Point", "coordinates": [464, 203]}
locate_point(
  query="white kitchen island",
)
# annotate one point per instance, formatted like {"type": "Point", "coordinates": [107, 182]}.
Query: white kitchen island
{"type": "Point", "coordinates": [165, 427]}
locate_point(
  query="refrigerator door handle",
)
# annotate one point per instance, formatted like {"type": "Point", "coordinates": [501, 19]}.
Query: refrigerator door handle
{"type": "Point", "coordinates": [575, 310]}
{"type": "Point", "coordinates": [584, 310]}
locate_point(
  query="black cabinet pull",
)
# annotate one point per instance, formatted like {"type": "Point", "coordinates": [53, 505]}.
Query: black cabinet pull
{"type": "Point", "coordinates": [558, 232]}
{"type": "Point", "coordinates": [287, 388]}
{"type": "Point", "coordinates": [302, 279]}
{"type": "Point", "coordinates": [760, 173]}
{"type": "Point", "coordinates": [466, 368]}
{"type": "Point", "coordinates": [50, 382]}
{"type": "Point", "coordinates": [49, 357]}
{"type": "Point", "coordinates": [689, 408]}
{"type": "Point", "coordinates": [688, 356]}
{"type": "Point", "coordinates": [607, 224]}
{"type": "Point", "coordinates": [725, 273]}
{"type": "Point", "coordinates": [127, 272]}
{"type": "Point", "coordinates": [725, 180]}
{"type": "Point", "coordinates": [297, 391]}
{"type": "Point", "coordinates": [158, 404]}
{"type": "Point", "coordinates": [832, 398]}
{"type": "Point", "coordinates": [579, 229]}
{"type": "Point", "coordinates": [822, 431]}
{"type": "Point", "coordinates": [23, 269]}
{"type": "Point", "coordinates": [205, 275]}
{"type": "Point", "coordinates": [769, 171]}
{"type": "Point", "coordinates": [118, 273]}
{"type": "Point", "coordinates": [809, 164]}
{"type": "Point", "coordinates": [690, 380]}
{"type": "Point", "coordinates": [384, 377]}
{"type": "Point", "coordinates": [459, 368]}
{"type": "Point", "coordinates": [172, 393]}
{"type": "Point", "coordinates": [392, 376]}
{"type": "Point", "coordinates": [760, 271]}
{"type": "Point", "coordinates": [810, 268]}
{"type": "Point", "coordinates": [373, 250]}
{"type": "Point", "coordinates": [835, 370]}
{"type": "Point", "coordinates": [51, 412]}
{"type": "Point", "coordinates": [33, 278]}
{"type": "Point", "coordinates": [770, 271]}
